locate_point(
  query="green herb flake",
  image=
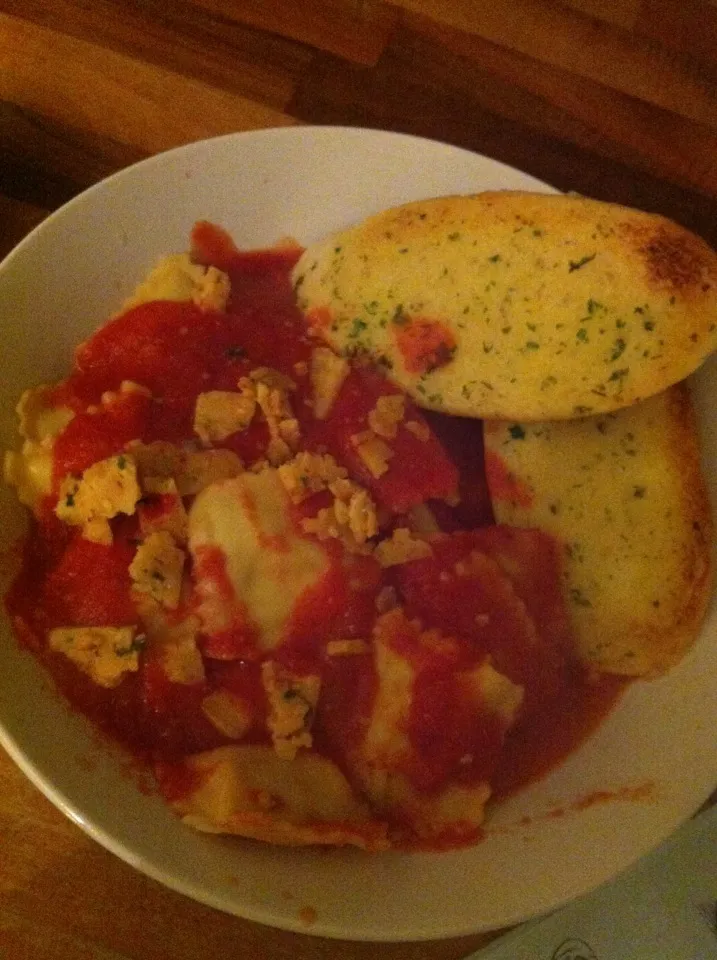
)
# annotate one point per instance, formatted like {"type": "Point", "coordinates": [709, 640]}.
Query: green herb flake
{"type": "Point", "coordinates": [496, 258]}
{"type": "Point", "coordinates": [617, 350]}
{"type": "Point", "coordinates": [582, 335]}
{"type": "Point", "coordinates": [454, 236]}
{"type": "Point", "coordinates": [516, 432]}
{"type": "Point", "coordinates": [579, 598]}
{"type": "Point", "coordinates": [578, 264]}
{"type": "Point", "coordinates": [121, 462]}
{"type": "Point", "coordinates": [639, 492]}
{"type": "Point", "coordinates": [357, 328]}
{"type": "Point", "coordinates": [532, 345]}
{"type": "Point", "coordinates": [399, 317]}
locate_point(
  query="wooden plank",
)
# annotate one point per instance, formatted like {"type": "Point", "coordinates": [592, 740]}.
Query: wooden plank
{"type": "Point", "coordinates": [686, 26]}
{"type": "Point", "coordinates": [23, 938]}
{"type": "Point", "coordinates": [621, 13]}
{"type": "Point", "coordinates": [589, 114]}
{"type": "Point", "coordinates": [180, 37]}
{"type": "Point", "coordinates": [72, 156]}
{"type": "Point", "coordinates": [17, 219]}
{"type": "Point", "coordinates": [584, 47]}
{"type": "Point", "coordinates": [356, 30]}
{"type": "Point", "coordinates": [85, 87]}
{"type": "Point", "coordinates": [332, 92]}
{"type": "Point", "coordinates": [26, 183]}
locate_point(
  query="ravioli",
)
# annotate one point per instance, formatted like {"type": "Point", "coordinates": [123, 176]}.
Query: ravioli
{"type": "Point", "coordinates": [251, 565]}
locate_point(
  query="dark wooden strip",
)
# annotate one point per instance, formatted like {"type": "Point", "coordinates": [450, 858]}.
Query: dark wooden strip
{"type": "Point", "coordinates": [23, 181]}
{"type": "Point", "coordinates": [356, 30]}
{"type": "Point", "coordinates": [581, 45]}
{"type": "Point", "coordinates": [71, 159]}
{"type": "Point", "coordinates": [622, 13]}
{"type": "Point", "coordinates": [334, 93]}
{"type": "Point", "coordinates": [181, 37]}
{"type": "Point", "coordinates": [17, 219]}
{"type": "Point", "coordinates": [687, 26]}
{"type": "Point", "coordinates": [589, 114]}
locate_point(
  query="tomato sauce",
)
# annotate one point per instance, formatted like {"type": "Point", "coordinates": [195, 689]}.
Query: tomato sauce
{"type": "Point", "coordinates": [172, 352]}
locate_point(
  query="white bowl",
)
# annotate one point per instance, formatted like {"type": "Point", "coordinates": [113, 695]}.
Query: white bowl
{"type": "Point", "coordinates": [657, 751]}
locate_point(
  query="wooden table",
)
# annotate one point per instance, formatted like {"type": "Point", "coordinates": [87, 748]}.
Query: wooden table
{"type": "Point", "coordinates": [613, 98]}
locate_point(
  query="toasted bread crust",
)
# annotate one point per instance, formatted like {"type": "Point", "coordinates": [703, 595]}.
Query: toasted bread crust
{"type": "Point", "coordinates": [625, 495]}
{"type": "Point", "coordinates": [517, 305]}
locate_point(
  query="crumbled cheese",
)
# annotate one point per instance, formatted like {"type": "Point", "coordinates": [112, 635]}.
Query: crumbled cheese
{"type": "Point", "coordinates": [127, 386]}
{"type": "Point", "coordinates": [402, 547]}
{"type": "Point", "coordinates": [422, 519]}
{"type": "Point", "coordinates": [301, 368]}
{"type": "Point", "coordinates": [347, 648]}
{"type": "Point", "coordinates": [104, 490]}
{"type": "Point", "coordinates": [201, 468]}
{"type": "Point", "coordinates": [272, 396]}
{"type": "Point", "coordinates": [220, 413]}
{"type": "Point", "coordinates": [191, 470]}
{"type": "Point", "coordinates": [328, 373]}
{"type": "Point", "coordinates": [157, 569]}
{"type": "Point", "coordinates": [164, 512]}
{"type": "Point", "coordinates": [354, 508]}
{"type": "Point", "coordinates": [352, 518]}
{"type": "Point", "coordinates": [418, 429]}
{"type": "Point", "coordinates": [272, 378]}
{"type": "Point", "coordinates": [176, 278]}
{"type": "Point", "coordinates": [179, 654]}
{"type": "Point", "coordinates": [374, 452]}
{"type": "Point", "coordinates": [292, 701]}
{"type": "Point", "coordinates": [386, 415]}
{"type": "Point", "coordinates": [213, 291]}
{"type": "Point", "coordinates": [309, 473]}
{"type": "Point", "coordinates": [230, 714]}
{"type": "Point", "coordinates": [105, 654]}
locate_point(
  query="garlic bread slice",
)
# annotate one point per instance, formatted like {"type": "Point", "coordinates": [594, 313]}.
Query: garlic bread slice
{"type": "Point", "coordinates": [516, 305]}
{"type": "Point", "coordinates": [624, 493]}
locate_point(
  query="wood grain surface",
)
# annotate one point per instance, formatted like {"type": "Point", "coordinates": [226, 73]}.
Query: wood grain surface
{"type": "Point", "coordinates": [613, 98]}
